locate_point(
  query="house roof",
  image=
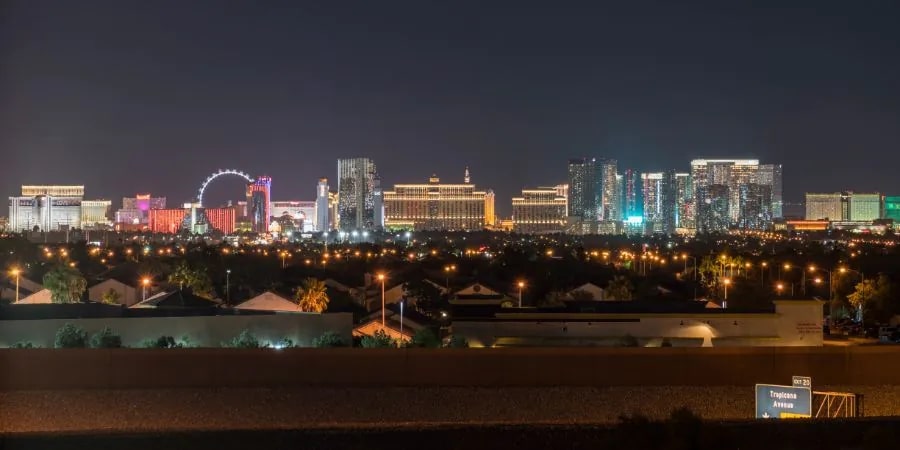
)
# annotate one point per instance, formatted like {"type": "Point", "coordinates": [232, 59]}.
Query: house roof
{"type": "Point", "coordinates": [175, 299]}
{"type": "Point", "coordinates": [269, 301]}
{"type": "Point", "coordinates": [42, 296]}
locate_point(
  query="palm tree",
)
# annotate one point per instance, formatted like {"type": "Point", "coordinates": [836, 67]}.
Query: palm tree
{"type": "Point", "coordinates": [66, 284]}
{"type": "Point", "coordinates": [311, 296]}
{"type": "Point", "coordinates": [195, 278]}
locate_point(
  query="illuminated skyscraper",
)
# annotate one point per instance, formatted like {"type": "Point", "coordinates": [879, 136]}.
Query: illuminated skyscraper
{"type": "Point", "coordinates": [322, 222]}
{"type": "Point", "coordinates": [607, 170]}
{"type": "Point", "coordinates": [865, 207]}
{"type": "Point", "coordinates": [95, 213]}
{"type": "Point", "coordinates": [755, 206]}
{"type": "Point", "coordinates": [770, 175]}
{"type": "Point", "coordinates": [659, 194]}
{"type": "Point", "coordinates": [356, 193]}
{"type": "Point", "coordinates": [259, 204]}
{"type": "Point", "coordinates": [583, 189]}
{"type": "Point", "coordinates": [712, 208]}
{"type": "Point", "coordinates": [685, 208]}
{"type": "Point", "coordinates": [825, 206]}
{"type": "Point", "coordinates": [634, 199]}
{"type": "Point", "coordinates": [734, 173]}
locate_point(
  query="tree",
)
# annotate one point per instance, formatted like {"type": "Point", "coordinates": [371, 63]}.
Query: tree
{"type": "Point", "coordinates": [110, 297]}
{"type": "Point", "coordinates": [425, 338]}
{"type": "Point", "coordinates": [244, 340]}
{"type": "Point", "coordinates": [66, 284]}
{"type": "Point", "coordinates": [554, 300]}
{"type": "Point", "coordinates": [105, 338]}
{"type": "Point", "coordinates": [580, 295]}
{"type": "Point", "coordinates": [329, 339]}
{"type": "Point", "coordinates": [194, 278]}
{"type": "Point", "coordinates": [457, 341]}
{"type": "Point", "coordinates": [875, 296]}
{"type": "Point", "coordinates": [427, 296]}
{"type": "Point", "coordinates": [312, 296]}
{"type": "Point", "coordinates": [619, 288]}
{"type": "Point", "coordinates": [379, 340]}
{"type": "Point", "coordinates": [70, 336]}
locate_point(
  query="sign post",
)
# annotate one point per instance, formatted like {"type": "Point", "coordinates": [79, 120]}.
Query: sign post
{"type": "Point", "coordinates": [783, 402]}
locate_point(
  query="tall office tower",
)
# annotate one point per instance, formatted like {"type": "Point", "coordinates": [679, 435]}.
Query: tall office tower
{"type": "Point", "coordinates": [438, 206]}
{"type": "Point", "coordinates": [356, 193]}
{"type": "Point", "coordinates": [562, 190]}
{"type": "Point", "coordinates": [891, 208]}
{"type": "Point", "coordinates": [48, 208]}
{"type": "Point", "coordinates": [620, 196]}
{"type": "Point", "coordinates": [608, 199]}
{"type": "Point", "coordinates": [541, 210]}
{"type": "Point", "coordinates": [712, 208]}
{"type": "Point", "coordinates": [668, 202]}
{"type": "Point", "coordinates": [634, 200]}
{"type": "Point", "coordinates": [259, 204]}
{"type": "Point", "coordinates": [731, 173]}
{"type": "Point", "coordinates": [95, 213]}
{"type": "Point", "coordinates": [378, 194]}
{"type": "Point", "coordinates": [684, 206]}
{"type": "Point", "coordinates": [322, 222]}
{"type": "Point", "coordinates": [770, 175]}
{"type": "Point", "coordinates": [650, 194]}
{"type": "Point", "coordinates": [583, 189]}
{"type": "Point", "coordinates": [826, 206]}
{"type": "Point", "coordinates": [755, 206]}
{"type": "Point", "coordinates": [865, 207]}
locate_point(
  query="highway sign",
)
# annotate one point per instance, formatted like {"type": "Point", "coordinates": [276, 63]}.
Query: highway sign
{"type": "Point", "coordinates": [801, 381]}
{"type": "Point", "coordinates": [782, 402]}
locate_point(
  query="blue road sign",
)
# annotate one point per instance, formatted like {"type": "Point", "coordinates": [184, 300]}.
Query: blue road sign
{"type": "Point", "coordinates": [782, 402]}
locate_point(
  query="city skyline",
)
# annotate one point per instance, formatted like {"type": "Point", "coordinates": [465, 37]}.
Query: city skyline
{"type": "Point", "coordinates": [617, 82]}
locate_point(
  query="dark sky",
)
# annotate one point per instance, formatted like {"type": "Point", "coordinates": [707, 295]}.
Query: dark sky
{"type": "Point", "coordinates": [151, 96]}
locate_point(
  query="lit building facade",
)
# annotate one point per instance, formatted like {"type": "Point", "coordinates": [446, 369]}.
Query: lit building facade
{"type": "Point", "coordinates": [194, 219]}
{"type": "Point", "coordinates": [733, 174]}
{"type": "Point", "coordinates": [135, 210]}
{"type": "Point", "coordinates": [633, 192]}
{"type": "Point", "coordinates": [825, 206]}
{"type": "Point", "coordinates": [356, 194]}
{"type": "Point", "coordinates": [300, 214]}
{"type": "Point", "coordinates": [684, 207]}
{"type": "Point", "coordinates": [892, 208]}
{"type": "Point", "coordinates": [583, 189]}
{"type": "Point", "coordinates": [437, 206]}
{"type": "Point", "coordinates": [46, 208]}
{"type": "Point", "coordinates": [259, 203]}
{"type": "Point", "coordinates": [658, 190]}
{"type": "Point", "coordinates": [609, 199]}
{"type": "Point", "coordinates": [541, 210]}
{"type": "Point", "coordinates": [95, 213]}
{"type": "Point", "coordinates": [865, 206]}
{"type": "Point", "coordinates": [322, 223]}
{"type": "Point", "coordinates": [713, 208]}
{"type": "Point", "coordinates": [167, 220]}
{"type": "Point", "coordinates": [755, 206]}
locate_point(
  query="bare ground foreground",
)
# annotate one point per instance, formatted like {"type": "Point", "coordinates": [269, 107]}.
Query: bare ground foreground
{"type": "Point", "coordinates": [329, 408]}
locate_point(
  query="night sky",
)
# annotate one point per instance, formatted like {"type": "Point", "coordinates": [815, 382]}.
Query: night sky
{"type": "Point", "coordinates": [152, 96]}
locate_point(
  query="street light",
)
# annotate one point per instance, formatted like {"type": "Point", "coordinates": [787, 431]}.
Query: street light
{"type": "Point", "coordinates": [16, 272]}
{"type": "Point", "coordinates": [284, 254]}
{"type": "Point", "coordinates": [408, 235]}
{"type": "Point", "coordinates": [521, 286]}
{"type": "Point", "coordinates": [447, 270]}
{"type": "Point", "coordinates": [228, 286]}
{"type": "Point", "coordinates": [813, 269]}
{"type": "Point", "coordinates": [145, 282]}
{"type": "Point", "coordinates": [726, 282]}
{"type": "Point", "coordinates": [381, 279]}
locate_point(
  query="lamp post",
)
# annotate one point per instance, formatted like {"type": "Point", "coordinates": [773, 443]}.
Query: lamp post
{"type": "Point", "coordinates": [726, 282]}
{"type": "Point", "coordinates": [521, 286]}
{"type": "Point", "coordinates": [381, 279]}
{"type": "Point", "coordinates": [762, 272]}
{"type": "Point", "coordinates": [16, 272]}
{"type": "Point", "coordinates": [408, 235]}
{"type": "Point", "coordinates": [144, 282]}
{"type": "Point", "coordinates": [284, 254]}
{"type": "Point", "coordinates": [228, 286]}
{"type": "Point", "coordinates": [447, 270]}
{"type": "Point", "coordinates": [813, 269]}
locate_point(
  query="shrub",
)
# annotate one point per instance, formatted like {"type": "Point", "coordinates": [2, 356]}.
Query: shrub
{"type": "Point", "coordinates": [70, 336]}
{"type": "Point", "coordinates": [23, 344]}
{"type": "Point", "coordinates": [244, 340]}
{"type": "Point", "coordinates": [379, 340]}
{"type": "Point", "coordinates": [105, 338]}
{"type": "Point", "coordinates": [457, 342]}
{"type": "Point", "coordinates": [284, 343]}
{"type": "Point", "coordinates": [161, 342]}
{"type": "Point", "coordinates": [425, 338]}
{"type": "Point", "coordinates": [329, 339]}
